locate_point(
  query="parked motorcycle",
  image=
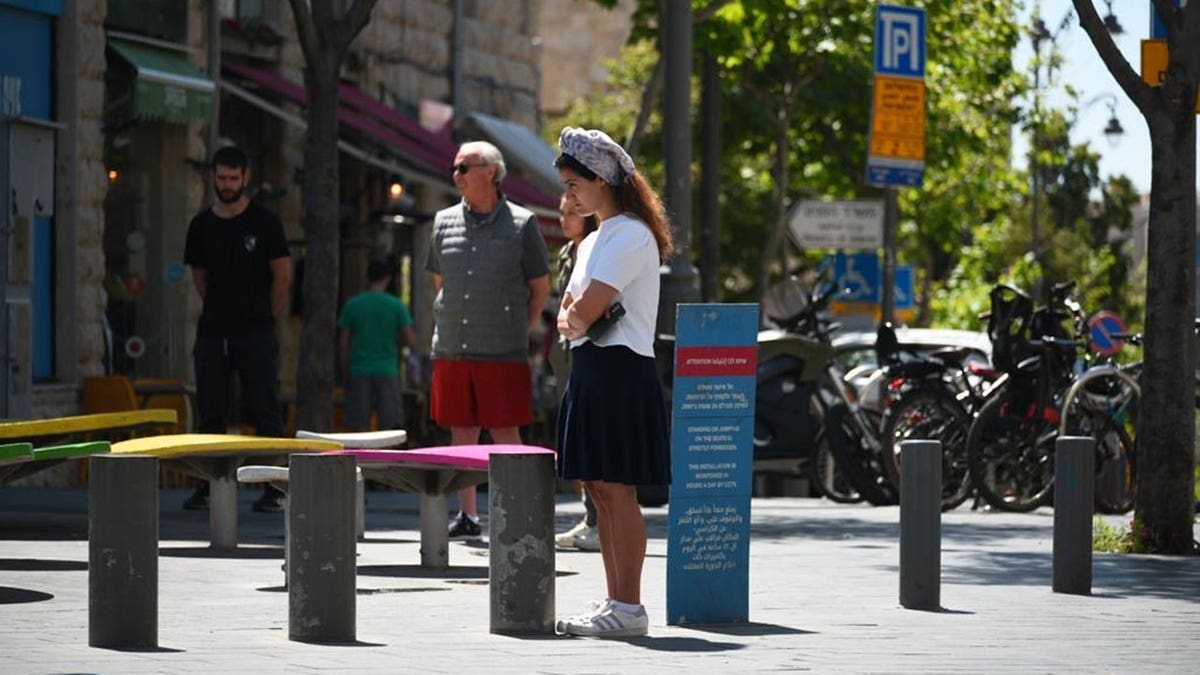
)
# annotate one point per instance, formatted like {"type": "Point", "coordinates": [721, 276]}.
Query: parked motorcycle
{"type": "Point", "coordinates": [807, 416]}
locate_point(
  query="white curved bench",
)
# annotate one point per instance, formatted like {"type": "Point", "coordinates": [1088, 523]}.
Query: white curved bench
{"type": "Point", "coordinates": [375, 440]}
{"type": "Point", "coordinates": [278, 477]}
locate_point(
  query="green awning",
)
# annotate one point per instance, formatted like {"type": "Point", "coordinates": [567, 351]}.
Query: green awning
{"type": "Point", "coordinates": [167, 87]}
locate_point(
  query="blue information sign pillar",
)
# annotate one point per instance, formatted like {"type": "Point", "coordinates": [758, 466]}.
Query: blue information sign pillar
{"type": "Point", "coordinates": [712, 428]}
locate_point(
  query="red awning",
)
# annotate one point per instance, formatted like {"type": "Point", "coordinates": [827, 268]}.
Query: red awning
{"type": "Point", "coordinates": [431, 152]}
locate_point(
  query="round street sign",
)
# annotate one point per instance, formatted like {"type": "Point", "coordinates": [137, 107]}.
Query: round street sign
{"type": "Point", "coordinates": [135, 347]}
{"type": "Point", "coordinates": [1103, 326]}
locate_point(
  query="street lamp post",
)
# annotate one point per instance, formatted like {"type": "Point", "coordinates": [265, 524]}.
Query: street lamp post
{"type": "Point", "coordinates": [1113, 131]}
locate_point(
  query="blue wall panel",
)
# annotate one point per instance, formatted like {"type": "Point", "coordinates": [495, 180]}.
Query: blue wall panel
{"type": "Point", "coordinates": [26, 53]}
{"type": "Point", "coordinates": [26, 68]}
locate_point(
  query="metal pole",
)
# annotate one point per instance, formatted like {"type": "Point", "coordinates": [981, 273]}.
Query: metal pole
{"type": "Point", "coordinates": [321, 560]}
{"type": "Point", "coordinates": [435, 538]}
{"type": "Point", "coordinates": [458, 38]}
{"type": "Point", "coordinates": [6, 225]}
{"type": "Point", "coordinates": [212, 27]}
{"type": "Point", "coordinates": [920, 524]}
{"type": "Point", "coordinates": [1033, 155]}
{"type": "Point", "coordinates": [891, 218]}
{"type": "Point", "coordinates": [1074, 478]}
{"type": "Point", "coordinates": [222, 513]}
{"type": "Point", "coordinates": [123, 552]}
{"type": "Point", "coordinates": [520, 543]}
{"type": "Point", "coordinates": [710, 185]}
{"type": "Point", "coordinates": [680, 280]}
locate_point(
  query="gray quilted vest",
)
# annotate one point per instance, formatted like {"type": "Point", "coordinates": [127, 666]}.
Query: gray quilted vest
{"type": "Point", "coordinates": [481, 313]}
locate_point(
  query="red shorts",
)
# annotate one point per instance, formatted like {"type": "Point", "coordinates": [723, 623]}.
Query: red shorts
{"type": "Point", "coordinates": [488, 394]}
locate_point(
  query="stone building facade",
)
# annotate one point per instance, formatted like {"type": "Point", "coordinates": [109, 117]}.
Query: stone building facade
{"type": "Point", "coordinates": [409, 54]}
{"type": "Point", "coordinates": [578, 38]}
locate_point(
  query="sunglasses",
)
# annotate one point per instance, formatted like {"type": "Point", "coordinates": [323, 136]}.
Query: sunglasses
{"type": "Point", "coordinates": [463, 167]}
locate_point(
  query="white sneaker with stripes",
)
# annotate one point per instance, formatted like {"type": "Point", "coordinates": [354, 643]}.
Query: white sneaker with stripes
{"type": "Point", "coordinates": [610, 621]}
{"type": "Point", "coordinates": [594, 608]}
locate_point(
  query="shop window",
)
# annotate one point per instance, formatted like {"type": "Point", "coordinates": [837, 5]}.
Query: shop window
{"type": "Point", "coordinates": [242, 10]}
{"type": "Point", "coordinates": [151, 18]}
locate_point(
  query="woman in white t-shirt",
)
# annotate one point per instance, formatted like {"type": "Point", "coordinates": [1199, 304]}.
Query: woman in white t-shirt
{"type": "Point", "coordinates": [612, 428]}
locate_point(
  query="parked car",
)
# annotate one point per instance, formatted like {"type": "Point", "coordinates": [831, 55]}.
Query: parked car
{"type": "Point", "coordinates": [856, 352]}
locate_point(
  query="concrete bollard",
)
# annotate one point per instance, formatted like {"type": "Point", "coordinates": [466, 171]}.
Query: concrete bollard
{"type": "Point", "coordinates": [322, 569]}
{"type": "Point", "coordinates": [123, 552]}
{"type": "Point", "coordinates": [1074, 479]}
{"type": "Point", "coordinates": [520, 543]}
{"type": "Point", "coordinates": [921, 524]}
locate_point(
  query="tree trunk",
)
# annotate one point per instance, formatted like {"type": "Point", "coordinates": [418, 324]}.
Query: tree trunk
{"type": "Point", "coordinates": [315, 376]}
{"type": "Point", "coordinates": [774, 241]}
{"type": "Point", "coordinates": [1166, 432]}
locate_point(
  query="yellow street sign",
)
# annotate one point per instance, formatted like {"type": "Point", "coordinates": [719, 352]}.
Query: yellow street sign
{"type": "Point", "coordinates": [898, 118]}
{"type": "Point", "coordinates": [873, 309]}
{"type": "Point", "coordinates": [1154, 64]}
{"type": "Point", "coordinates": [1154, 61]}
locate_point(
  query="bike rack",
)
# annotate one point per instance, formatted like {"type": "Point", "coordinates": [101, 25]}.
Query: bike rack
{"type": "Point", "coordinates": [1093, 373]}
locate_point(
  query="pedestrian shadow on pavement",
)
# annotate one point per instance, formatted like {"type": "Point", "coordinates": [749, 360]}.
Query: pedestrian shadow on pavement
{"type": "Point", "coordinates": [17, 596]}
{"type": "Point", "coordinates": [41, 565]}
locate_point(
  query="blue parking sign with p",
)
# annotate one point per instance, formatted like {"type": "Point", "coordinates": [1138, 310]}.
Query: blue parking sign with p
{"type": "Point", "coordinates": [900, 41]}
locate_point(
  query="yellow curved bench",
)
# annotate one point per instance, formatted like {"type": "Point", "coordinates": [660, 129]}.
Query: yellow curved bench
{"type": "Point", "coordinates": [216, 458]}
{"type": "Point", "coordinates": [85, 424]}
{"type": "Point", "coordinates": [182, 445]}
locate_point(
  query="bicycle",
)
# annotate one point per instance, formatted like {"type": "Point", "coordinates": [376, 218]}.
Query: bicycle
{"type": "Point", "coordinates": [1010, 445]}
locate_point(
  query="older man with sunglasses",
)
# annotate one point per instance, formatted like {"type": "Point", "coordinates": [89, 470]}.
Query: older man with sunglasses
{"type": "Point", "coordinates": [492, 277]}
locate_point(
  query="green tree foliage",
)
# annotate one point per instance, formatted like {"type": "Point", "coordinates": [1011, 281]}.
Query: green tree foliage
{"type": "Point", "coordinates": [1080, 238]}
{"type": "Point", "coordinates": [796, 89]}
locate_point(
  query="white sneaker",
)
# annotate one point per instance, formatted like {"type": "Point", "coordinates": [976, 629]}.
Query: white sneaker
{"type": "Point", "coordinates": [589, 540]}
{"type": "Point", "coordinates": [611, 622]}
{"type": "Point", "coordinates": [594, 608]}
{"type": "Point", "coordinates": [567, 539]}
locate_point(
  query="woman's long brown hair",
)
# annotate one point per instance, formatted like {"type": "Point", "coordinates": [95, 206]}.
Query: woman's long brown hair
{"type": "Point", "coordinates": [634, 195]}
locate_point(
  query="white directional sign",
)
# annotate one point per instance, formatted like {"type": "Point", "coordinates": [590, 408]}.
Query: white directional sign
{"type": "Point", "coordinates": [827, 224]}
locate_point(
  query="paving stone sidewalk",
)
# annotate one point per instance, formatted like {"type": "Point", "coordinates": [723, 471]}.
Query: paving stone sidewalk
{"type": "Point", "coordinates": [823, 581]}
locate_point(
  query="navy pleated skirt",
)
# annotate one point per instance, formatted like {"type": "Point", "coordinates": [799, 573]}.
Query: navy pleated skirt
{"type": "Point", "coordinates": [612, 425]}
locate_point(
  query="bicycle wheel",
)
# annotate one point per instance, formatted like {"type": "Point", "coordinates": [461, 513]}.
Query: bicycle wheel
{"type": "Point", "coordinates": [827, 478]}
{"type": "Point", "coordinates": [861, 467]}
{"type": "Point", "coordinates": [1011, 458]}
{"type": "Point", "coordinates": [1116, 471]}
{"type": "Point", "coordinates": [931, 414]}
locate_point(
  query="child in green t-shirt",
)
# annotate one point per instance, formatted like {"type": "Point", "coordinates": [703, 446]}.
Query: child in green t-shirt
{"type": "Point", "coordinates": [374, 325]}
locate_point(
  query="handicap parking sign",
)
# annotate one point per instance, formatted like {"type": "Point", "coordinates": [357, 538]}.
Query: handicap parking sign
{"type": "Point", "coordinates": [902, 290]}
{"type": "Point", "coordinates": [857, 274]}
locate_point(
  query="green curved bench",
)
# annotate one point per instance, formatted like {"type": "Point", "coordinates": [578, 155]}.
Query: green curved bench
{"type": "Point", "coordinates": [15, 453]}
{"type": "Point", "coordinates": [36, 459]}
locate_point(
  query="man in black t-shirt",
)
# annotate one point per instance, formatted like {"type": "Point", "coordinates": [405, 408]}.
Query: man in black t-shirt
{"type": "Point", "coordinates": [240, 266]}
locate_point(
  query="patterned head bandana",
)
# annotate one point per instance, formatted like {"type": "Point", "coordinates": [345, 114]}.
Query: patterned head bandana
{"type": "Point", "coordinates": [598, 152]}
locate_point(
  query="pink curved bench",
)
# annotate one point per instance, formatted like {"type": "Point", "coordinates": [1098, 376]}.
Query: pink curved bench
{"type": "Point", "coordinates": [433, 473]}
